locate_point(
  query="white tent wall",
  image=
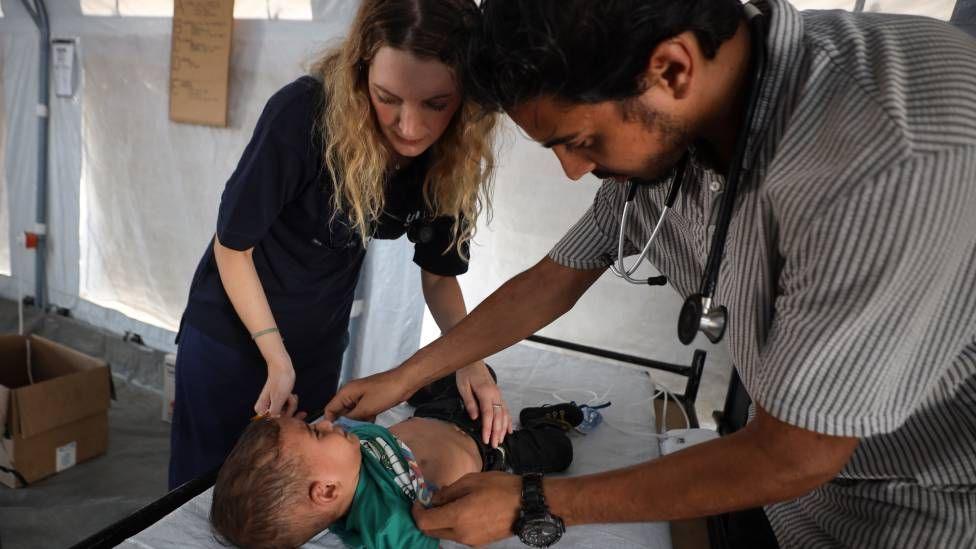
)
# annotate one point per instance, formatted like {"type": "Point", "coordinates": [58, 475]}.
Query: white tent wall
{"type": "Point", "coordinates": [133, 196]}
{"type": "Point", "coordinates": [18, 46]}
{"type": "Point", "coordinates": [939, 9]}
{"type": "Point", "coordinates": [4, 213]}
{"type": "Point", "coordinates": [170, 175]}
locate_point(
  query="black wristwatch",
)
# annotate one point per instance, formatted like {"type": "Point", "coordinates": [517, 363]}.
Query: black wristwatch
{"type": "Point", "coordinates": [536, 526]}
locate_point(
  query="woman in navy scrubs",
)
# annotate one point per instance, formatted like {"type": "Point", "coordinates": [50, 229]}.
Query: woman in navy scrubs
{"type": "Point", "coordinates": [379, 141]}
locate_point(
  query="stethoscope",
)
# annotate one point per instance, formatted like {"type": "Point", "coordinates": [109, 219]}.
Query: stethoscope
{"type": "Point", "coordinates": [699, 313]}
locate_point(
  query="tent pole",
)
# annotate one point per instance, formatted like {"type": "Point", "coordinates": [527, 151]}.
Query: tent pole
{"type": "Point", "coordinates": [38, 13]}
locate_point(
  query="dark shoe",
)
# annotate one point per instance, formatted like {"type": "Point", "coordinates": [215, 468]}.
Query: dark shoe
{"type": "Point", "coordinates": [567, 416]}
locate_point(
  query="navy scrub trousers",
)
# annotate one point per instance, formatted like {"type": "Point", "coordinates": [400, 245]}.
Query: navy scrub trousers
{"type": "Point", "coordinates": [229, 380]}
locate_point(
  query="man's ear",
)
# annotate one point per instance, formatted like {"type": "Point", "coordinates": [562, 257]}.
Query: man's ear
{"type": "Point", "coordinates": [670, 67]}
{"type": "Point", "coordinates": [323, 492]}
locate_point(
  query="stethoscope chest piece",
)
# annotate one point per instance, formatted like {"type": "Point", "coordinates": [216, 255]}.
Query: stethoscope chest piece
{"type": "Point", "coordinates": [698, 315]}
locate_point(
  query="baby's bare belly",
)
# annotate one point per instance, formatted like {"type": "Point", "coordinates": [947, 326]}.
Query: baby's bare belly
{"type": "Point", "coordinates": [444, 452]}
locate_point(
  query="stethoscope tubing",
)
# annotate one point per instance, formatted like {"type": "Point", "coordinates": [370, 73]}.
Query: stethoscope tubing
{"type": "Point", "coordinates": [619, 268]}
{"type": "Point", "coordinates": [741, 166]}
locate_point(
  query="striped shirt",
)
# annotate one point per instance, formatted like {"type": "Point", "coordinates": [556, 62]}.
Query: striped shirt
{"type": "Point", "coordinates": [850, 268]}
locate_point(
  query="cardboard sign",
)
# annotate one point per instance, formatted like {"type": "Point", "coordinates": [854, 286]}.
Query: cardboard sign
{"type": "Point", "coordinates": [200, 61]}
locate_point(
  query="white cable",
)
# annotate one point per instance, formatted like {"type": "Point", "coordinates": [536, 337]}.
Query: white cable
{"type": "Point", "coordinates": [558, 398]}
{"type": "Point", "coordinates": [658, 391]}
{"type": "Point", "coordinates": [636, 434]}
{"type": "Point", "coordinates": [661, 390]}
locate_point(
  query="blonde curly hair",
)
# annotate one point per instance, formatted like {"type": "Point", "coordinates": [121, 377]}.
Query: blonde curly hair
{"type": "Point", "coordinates": [458, 181]}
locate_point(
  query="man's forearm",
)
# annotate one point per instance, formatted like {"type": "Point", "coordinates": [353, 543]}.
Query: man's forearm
{"type": "Point", "coordinates": [516, 310]}
{"type": "Point", "coordinates": [733, 473]}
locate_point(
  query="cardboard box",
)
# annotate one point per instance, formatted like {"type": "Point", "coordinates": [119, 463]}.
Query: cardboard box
{"type": "Point", "coordinates": [53, 408]}
{"type": "Point", "coordinates": [169, 386]}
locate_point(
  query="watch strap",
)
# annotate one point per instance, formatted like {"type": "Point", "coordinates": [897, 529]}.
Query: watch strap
{"type": "Point", "coordinates": [533, 500]}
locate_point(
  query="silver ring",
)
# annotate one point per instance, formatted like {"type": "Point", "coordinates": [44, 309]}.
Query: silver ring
{"type": "Point", "coordinates": [497, 406]}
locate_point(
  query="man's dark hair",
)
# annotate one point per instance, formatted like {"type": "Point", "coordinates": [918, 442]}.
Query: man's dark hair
{"type": "Point", "coordinates": [583, 51]}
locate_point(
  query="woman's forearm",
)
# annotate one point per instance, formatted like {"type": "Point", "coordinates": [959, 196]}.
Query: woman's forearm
{"type": "Point", "coordinates": [444, 299]}
{"type": "Point", "coordinates": [243, 287]}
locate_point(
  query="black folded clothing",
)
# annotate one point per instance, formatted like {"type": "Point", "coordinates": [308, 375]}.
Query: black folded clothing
{"type": "Point", "coordinates": [567, 415]}
{"type": "Point", "coordinates": [541, 448]}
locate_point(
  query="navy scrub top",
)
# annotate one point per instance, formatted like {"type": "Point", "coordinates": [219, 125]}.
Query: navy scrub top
{"type": "Point", "coordinates": [278, 201]}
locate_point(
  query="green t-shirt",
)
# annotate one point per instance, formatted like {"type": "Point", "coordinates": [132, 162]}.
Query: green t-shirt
{"type": "Point", "coordinates": [379, 517]}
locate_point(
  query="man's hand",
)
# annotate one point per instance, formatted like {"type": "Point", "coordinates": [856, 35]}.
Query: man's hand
{"type": "Point", "coordinates": [364, 398]}
{"type": "Point", "coordinates": [477, 509]}
{"type": "Point", "coordinates": [482, 397]}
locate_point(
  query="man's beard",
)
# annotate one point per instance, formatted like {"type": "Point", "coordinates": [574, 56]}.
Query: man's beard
{"type": "Point", "coordinates": [676, 138]}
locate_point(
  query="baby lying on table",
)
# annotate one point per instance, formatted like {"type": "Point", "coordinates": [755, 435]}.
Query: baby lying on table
{"type": "Point", "coordinates": [286, 481]}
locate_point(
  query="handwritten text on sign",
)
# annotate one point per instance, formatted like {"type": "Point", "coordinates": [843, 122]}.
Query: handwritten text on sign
{"type": "Point", "coordinates": [200, 61]}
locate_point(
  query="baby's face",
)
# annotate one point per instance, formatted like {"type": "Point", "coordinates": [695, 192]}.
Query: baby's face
{"type": "Point", "coordinates": [329, 452]}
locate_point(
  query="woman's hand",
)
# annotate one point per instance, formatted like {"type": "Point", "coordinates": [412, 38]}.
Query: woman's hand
{"type": "Point", "coordinates": [291, 410]}
{"type": "Point", "coordinates": [276, 397]}
{"type": "Point", "coordinates": [478, 390]}
{"type": "Point", "coordinates": [482, 396]}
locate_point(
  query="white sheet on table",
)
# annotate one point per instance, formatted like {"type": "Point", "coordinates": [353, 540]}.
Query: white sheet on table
{"type": "Point", "coordinates": [528, 377]}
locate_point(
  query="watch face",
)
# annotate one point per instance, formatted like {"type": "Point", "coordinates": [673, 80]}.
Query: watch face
{"type": "Point", "coordinates": [542, 533]}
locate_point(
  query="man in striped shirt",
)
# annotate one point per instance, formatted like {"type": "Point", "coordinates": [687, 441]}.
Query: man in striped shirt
{"type": "Point", "coordinates": [849, 271]}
